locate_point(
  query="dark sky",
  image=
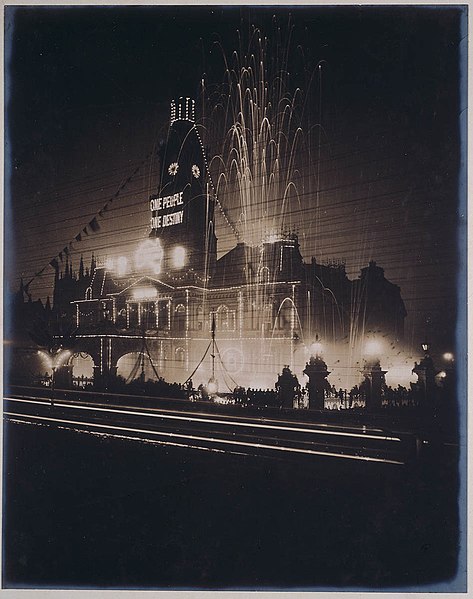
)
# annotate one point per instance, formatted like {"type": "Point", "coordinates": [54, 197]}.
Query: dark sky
{"type": "Point", "coordinates": [88, 90]}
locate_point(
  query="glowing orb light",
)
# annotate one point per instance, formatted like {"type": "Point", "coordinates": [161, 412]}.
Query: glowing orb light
{"type": "Point", "coordinates": [46, 357]}
{"type": "Point", "coordinates": [316, 348]}
{"type": "Point", "coordinates": [448, 356]}
{"type": "Point", "coordinates": [373, 348]}
{"type": "Point", "coordinates": [122, 266]}
{"type": "Point", "coordinates": [233, 359]}
{"type": "Point", "coordinates": [118, 266]}
{"type": "Point", "coordinates": [178, 257]}
{"type": "Point", "coordinates": [141, 293]}
{"type": "Point", "coordinates": [273, 237]}
{"type": "Point", "coordinates": [149, 255]}
{"type": "Point", "coordinates": [212, 386]}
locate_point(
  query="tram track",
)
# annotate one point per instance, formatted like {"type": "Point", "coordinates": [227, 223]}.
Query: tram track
{"type": "Point", "coordinates": [201, 430]}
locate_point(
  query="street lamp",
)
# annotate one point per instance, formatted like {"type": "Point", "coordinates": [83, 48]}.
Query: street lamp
{"type": "Point", "coordinates": [212, 386]}
{"type": "Point", "coordinates": [373, 348]}
{"type": "Point", "coordinates": [122, 266]}
{"type": "Point", "coordinates": [316, 371]}
{"type": "Point", "coordinates": [316, 348]}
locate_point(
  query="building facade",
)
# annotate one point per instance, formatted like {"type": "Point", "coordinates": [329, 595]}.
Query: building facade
{"type": "Point", "coordinates": [265, 304]}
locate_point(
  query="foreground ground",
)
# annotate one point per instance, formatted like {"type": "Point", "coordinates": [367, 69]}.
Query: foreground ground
{"type": "Point", "coordinates": [89, 511]}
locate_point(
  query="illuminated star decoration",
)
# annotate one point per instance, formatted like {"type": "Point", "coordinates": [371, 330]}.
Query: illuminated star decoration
{"type": "Point", "coordinates": [196, 171]}
{"type": "Point", "coordinates": [172, 170]}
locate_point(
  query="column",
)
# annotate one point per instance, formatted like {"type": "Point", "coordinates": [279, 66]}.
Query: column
{"type": "Point", "coordinates": [316, 370]}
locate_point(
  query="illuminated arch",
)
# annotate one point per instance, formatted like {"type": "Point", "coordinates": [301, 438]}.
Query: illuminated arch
{"type": "Point", "coordinates": [129, 366]}
{"type": "Point", "coordinates": [180, 354]}
{"type": "Point", "coordinates": [82, 369]}
{"type": "Point", "coordinates": [180, 318]}
{"type": "Point", "coordinates": [225, 318]}
{"type": "Point", "coordinates": [82, 364]}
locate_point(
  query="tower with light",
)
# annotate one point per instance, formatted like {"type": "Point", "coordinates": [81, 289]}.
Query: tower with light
{"type": "Point", "coordinates": [182, 211]}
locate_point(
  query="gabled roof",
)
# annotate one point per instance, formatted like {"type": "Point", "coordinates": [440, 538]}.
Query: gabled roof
{"type": "Point", "coordinates": [101, 284]}
{"type": "Point", "coordinates": [157, 283]}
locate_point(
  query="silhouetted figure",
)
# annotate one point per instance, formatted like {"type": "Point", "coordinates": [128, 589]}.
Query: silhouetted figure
{"type": "Point", "coordinates": [190, 389]}
{"type": "Point", "coordinates": [204, 394]}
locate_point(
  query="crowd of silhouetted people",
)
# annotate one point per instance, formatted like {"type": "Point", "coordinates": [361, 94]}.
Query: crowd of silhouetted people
{"type": "Point", "coordinates": [334, 399]}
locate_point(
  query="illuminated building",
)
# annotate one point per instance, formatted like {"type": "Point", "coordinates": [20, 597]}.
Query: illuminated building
{"type": "Point", "coordinates": [268, 304]}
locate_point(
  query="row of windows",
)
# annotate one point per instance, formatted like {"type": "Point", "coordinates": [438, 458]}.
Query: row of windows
{"type": "Point", "coordinates": [160, 315]}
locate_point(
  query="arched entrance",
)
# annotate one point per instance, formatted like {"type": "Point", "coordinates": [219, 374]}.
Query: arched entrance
{"type": "Point", "coordinates": [132, 365]}
{"type": "Point", "coordinates": [82, 370]}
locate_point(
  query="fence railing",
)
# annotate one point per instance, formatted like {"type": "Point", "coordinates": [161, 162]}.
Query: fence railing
{"type": "Point", "coordinates": [78, 382]}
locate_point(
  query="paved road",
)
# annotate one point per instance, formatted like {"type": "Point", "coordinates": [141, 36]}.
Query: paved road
{"type": "Point", "coordinates": [216, 432]}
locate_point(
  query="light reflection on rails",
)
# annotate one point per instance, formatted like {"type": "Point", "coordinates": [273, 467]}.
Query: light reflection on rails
{"type": "Point", "coordinates": [232, 442]}
{"type": "Point", "coordinates": [245, 441]}
{"type": "Point", "coordinates": [191, 417]}
{"type": "Point", "coordinates": [183, 402]}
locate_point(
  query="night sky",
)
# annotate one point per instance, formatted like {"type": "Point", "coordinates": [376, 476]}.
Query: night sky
{"type": "Point", "coordinates": [88, 91]}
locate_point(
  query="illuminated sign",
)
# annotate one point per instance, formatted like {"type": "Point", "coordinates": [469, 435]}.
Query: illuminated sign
{"type": "Point", "coordinates": [168, 204]}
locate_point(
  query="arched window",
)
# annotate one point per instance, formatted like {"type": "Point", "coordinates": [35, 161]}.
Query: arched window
{"type": "Point", "coordinates": [225, 318]}
{"type": "Point", "coordinates": [164, 316]}
{"type": "Point", "coordinates": [148, 315]}
{"type": "Point", "coordinates": [88, 293]}
{"type": "Point", "coordinates": [221, 318]}
{"type": "Point", "coordinates": [180, 354]}
{"type": "Point", "coordinates": [200, 318]}
{"type": "Point", "coordinates": [267, 315]}
{"type": "Point", "coordinates": [180, 318]}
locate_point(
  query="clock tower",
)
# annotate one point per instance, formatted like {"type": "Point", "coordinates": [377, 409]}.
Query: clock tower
{"type": "Point", "coordinates": [182, 212]}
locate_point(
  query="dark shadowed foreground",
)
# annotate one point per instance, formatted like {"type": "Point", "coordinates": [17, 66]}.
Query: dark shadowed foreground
{"type": "Point", "coordinates": [97, 512]}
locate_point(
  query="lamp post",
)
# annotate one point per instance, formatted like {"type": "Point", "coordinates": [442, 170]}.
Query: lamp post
{"type": "Point", "coordinates": [449, 383]}
{"type": "Point", "coordinates": [53, 381]}
{"type": "Point", "coordinates": [425, 372]}
{"type": "Point", "coordinates": [287, 385]}
{"type": "Point", "coordinates": [212, 385]}
{"type": "Point", "coordinates": [373, 384]}
{"type": "Point", "coordinates": [374, 376]}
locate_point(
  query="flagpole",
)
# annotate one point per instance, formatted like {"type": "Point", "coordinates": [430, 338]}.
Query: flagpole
{"type": "Point", "coordinates": [213, 347]}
